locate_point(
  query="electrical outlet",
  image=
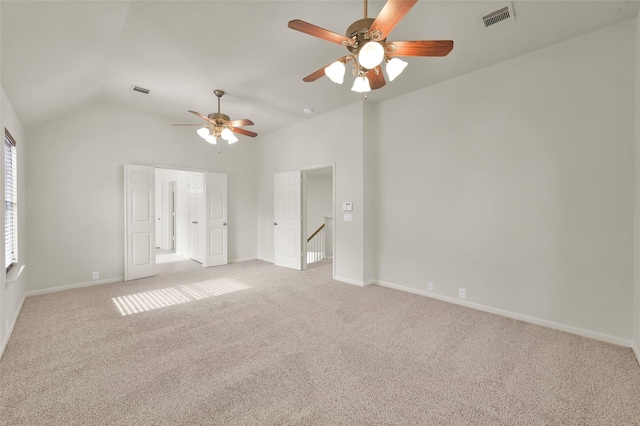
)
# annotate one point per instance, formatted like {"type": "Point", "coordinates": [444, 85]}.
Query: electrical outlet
{"type": "Point", "coordinates": [95, 275]}
{"type": "Point", "coordinates": [462, 293]}
{"type": "Point", "coordinates": [430, 286]}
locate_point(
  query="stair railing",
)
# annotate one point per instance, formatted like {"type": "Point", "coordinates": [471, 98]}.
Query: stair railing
{"type": "Point", "coordinates": [315, 246]}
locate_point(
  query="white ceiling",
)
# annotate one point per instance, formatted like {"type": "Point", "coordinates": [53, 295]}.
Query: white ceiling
{"type": "Point", "coordinates": [58, 56]}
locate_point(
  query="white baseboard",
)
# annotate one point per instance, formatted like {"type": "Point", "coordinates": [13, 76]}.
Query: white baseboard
{"type": "Point", "coordinates": [636, 352]}
{"type": "Point", "coordinates": [349, 281]}
{"type": "Point", "coordinates": [243, 259]}
{"type": "Point", "coordinates": [72, 286]}
{"type": "Point", "coordinates": [265, 259]}
{"type": "Point", "coordinates": [5, 342]}
{"type": "Point", "coordinates": [533, 320]}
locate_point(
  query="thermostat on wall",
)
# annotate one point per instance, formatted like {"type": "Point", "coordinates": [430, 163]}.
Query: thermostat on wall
{"type": "Point", "coordinates": [347, 206]}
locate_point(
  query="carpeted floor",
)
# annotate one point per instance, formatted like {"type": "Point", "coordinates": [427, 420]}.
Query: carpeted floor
{"type": "Point", "coordinates": [253, 344]}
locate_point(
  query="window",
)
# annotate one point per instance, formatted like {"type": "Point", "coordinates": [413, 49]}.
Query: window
{"type": "Point", "coordinates": [11, 201]}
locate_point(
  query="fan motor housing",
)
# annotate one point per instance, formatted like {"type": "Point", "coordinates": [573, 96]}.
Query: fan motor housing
{"type": "Point", "coordinates": [219, 118]}
{"type": "Point", "coordinates": [359, 32]}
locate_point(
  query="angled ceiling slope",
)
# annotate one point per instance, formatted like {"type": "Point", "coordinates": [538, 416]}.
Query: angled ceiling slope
{"type": "Point", "coordinates": [58, 56]}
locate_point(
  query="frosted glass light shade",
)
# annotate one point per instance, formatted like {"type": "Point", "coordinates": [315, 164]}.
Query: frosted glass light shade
{"type": "Point", "coordinates": [226, 133]}
{"type": "Point", "coordinates": [361, 84]}
{"type": "Point", "coordinates": [394, 67]}
{"type": "Point", "coordinates": [335, 72]}
{"type": "Point", "coordinates": [203, 132]}
{"type": "Point", "coordinates": [232, 139]}
{"type": "Point", "coordinates": [371, 55]}
{"type": "Point", "coordinates": [211, 139]}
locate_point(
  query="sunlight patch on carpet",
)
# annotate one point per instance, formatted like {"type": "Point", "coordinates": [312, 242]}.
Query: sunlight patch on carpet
{"type": "Point", "coordinates": [156, 299]}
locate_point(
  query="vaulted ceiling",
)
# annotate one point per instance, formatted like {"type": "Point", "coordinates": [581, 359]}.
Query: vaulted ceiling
{"type": "Point", "coordinates": [58, 56]}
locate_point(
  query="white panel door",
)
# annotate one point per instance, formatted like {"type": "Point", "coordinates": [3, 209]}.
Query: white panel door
{"type": "Point", "coordinates": [140, 218]}
{"type": "Point", "coordinates": [216, 219]}
{"type": "Point", "coordinates": [287, 222]}
{"type": "Point", "coordinates": [196, 218]}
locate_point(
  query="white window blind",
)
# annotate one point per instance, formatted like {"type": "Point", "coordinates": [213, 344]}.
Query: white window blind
{"type": "Point", "coordinates": [11, 201]}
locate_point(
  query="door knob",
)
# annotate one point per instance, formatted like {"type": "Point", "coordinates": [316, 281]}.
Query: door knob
{"type": "Point", "coordinates": [224, 224]}
{"type": "Point", "coordinates": [275, 223]}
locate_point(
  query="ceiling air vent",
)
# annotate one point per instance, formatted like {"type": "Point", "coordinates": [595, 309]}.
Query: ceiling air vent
{"type": "Point", "coordinates": [140, 90]}
{"type": "Point", "coordinates": [500, 15]}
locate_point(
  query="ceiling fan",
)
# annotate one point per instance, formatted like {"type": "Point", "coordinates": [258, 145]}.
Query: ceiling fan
{"type": "Point", "coordinates": [366, 40]}
{"type": "Point", "coordinates": [219, 125]}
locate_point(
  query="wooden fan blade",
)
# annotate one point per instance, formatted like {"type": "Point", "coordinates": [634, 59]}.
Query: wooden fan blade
{"type": "Point", "coordinates": [376, 80]}
{"type": "Point", "coordinates": [244, 132]}
{"type": "Point", "coordinates": [316, 31]}
{"type": "Point", "coordinates": [199, 125]}
{"type": "Point", "coordinates": [392, 13]}
{"type": "Point", "coordinates": [242, 122]}
{"type": "Point", "coordinates": [316, 75]}
{"type": "Point", "coordinates": [204, 117]}
{"type": "Point", "coordinates": [418, 48]}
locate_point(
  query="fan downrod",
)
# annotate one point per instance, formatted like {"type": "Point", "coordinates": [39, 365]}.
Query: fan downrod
{"type": "Point", "coordinates": [219, 117]}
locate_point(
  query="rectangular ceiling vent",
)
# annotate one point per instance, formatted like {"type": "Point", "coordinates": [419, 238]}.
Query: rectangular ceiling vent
{"type": "Point", "coordinates": [500, 15]}
{"type": "Point", "coordinates": [139, 89]}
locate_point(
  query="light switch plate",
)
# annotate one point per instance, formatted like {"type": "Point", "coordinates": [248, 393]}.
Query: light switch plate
{"type": "Point", "coordinates": [347, 206]}
{"type": "Point", "coordinates": [348, 217]}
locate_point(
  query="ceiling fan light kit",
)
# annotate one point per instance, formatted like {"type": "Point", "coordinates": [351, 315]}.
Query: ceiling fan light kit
{"type": "Point", "coordinates": [366, 40]}
{"type": "Point", "coordinates": [361, 84]}
{"type": "Point", "coordinates": [395, 66]}
{"type": "Point", "coordinates": [371, 55]}
{"type": "Point", "coordinates": [335, 72]}
{"type": "Point", "coordinates": [203, 132]}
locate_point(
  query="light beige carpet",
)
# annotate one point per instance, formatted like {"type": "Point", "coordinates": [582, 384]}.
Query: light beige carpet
{"type": "Point", "coordinates": [254, 344]}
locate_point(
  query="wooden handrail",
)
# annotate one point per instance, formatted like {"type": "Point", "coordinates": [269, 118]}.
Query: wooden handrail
{"type": "Point", "coordinates": [314, 234]}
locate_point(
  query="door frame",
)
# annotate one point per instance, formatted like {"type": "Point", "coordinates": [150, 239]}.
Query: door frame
{"type": "Point", "coordinates": [172, 213]}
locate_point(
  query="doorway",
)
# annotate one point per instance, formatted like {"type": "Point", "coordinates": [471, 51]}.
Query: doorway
{"type": "Point", "coordinates": [303, 217]}
{"type": "Point", "coordinates": [173, 236]}
{"type": "Point", "coordinates": [175, 219]}
{"type": "Point", "coordinates": [317, 197]}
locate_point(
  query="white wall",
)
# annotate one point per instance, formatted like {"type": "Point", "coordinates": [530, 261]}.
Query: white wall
{"type": "Point", "coordinates": [75, 188]}
{"type": "Point", "coordinates": [515, 182]}
{"type": "Point", "coordinates": [333, 137]}
{"type": "Point", "coordinates": [319, 192]}
{"type": "Point", "coordinates": [13, 287]}
{"type": "Point", "coordinates": [636, 258]}
{"type": "Point", "coordinates": [371, 183]}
